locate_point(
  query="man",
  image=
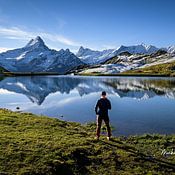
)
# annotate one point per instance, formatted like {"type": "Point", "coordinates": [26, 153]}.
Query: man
{"type": "Point", "coordinates": [101, 109]}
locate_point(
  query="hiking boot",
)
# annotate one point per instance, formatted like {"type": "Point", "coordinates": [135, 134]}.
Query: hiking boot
{"type": "Point", "coordinates": [96, 138]}
{"type": "Point", "coordinates": [108, 138]}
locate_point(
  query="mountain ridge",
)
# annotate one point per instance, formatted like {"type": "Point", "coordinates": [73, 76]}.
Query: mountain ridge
{"type": "Point", "coordinates": [91, 57]}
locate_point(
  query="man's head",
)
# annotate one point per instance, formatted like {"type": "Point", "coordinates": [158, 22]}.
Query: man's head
{"type": "Point", "coordinates": [103, 94]}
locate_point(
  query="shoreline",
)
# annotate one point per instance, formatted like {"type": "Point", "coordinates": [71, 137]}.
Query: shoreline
{"type": "Point", "coordinates": [32, 144]}
{"type": "Point", "coordinates": [127, 75]}
{"type": "Point", "coordinates": [9, 74]}
{"type": "Point", "coordinates": [29, 73]}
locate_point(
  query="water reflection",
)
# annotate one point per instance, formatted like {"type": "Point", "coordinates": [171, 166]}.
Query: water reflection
{"type": "Point", "coordinates": [37, 88]}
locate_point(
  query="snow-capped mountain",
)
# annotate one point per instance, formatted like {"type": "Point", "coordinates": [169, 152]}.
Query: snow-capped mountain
{"type": "Point", "coordinates": [94, 57]}
{"type": "Point", "coordinates": [37, 57]}
{"type": "Point", "coordinates": [126, 61]}
{"type": "Point", "coordinates": [137, 49]}
{"type": "Point", "coordinates": [89, 56]}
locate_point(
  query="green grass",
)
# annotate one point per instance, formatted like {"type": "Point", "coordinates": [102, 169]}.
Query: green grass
{"type": "Point", "coordinates": [31, 144]}
{"type": "Point", "coordinates": [166, 69]}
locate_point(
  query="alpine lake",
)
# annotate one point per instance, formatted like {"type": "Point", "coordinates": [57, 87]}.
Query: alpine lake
{"type": "Point", "coordinates": [139, 104]}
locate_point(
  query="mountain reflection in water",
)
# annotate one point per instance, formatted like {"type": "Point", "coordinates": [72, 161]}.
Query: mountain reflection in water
{"type": "Point", "coordinates": [37, 88]}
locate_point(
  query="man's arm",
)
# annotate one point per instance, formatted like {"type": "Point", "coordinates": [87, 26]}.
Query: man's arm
{"type": "Point", "coordinates": [109, 104]}
{"type": "Point", "coordinates": [96, 108]}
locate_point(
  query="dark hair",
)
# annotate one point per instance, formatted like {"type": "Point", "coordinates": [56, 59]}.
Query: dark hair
{"type": "Point", "coordinates": [103, 93]}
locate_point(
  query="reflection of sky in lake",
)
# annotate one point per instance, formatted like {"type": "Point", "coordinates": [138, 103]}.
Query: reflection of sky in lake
{"type": "Point", "coordinates": [139, 105]}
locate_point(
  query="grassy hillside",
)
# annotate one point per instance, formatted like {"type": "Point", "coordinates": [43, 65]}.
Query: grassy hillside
{"type": "Point", "coordinates": [31, 144]}
{"type": "Point", "coordinates": [167, 69]}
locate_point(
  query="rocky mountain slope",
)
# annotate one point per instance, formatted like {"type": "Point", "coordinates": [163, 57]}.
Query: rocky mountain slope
{"type": "Point", "coordinates": [91, 57]}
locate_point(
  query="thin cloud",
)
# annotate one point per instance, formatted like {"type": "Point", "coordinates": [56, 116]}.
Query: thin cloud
{"type": "Point", "coordinates": [59, 38]}
{"type": "Point", "coordinates": [17, 33]}
{"type": "Point", "coordinates": [4, 49]}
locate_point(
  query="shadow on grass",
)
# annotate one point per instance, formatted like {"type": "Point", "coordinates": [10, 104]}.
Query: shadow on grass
{"type": "Point", "coordinates": [140, 156]}
{"type": "Point", "coordinates": [81, 158]}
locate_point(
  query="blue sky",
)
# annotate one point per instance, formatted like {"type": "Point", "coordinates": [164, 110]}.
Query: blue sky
{"type": "Point", "coordinates": [97, 24]}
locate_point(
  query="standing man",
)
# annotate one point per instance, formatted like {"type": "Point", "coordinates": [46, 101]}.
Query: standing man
{"type": "Point", "coordinates": [101, 109]}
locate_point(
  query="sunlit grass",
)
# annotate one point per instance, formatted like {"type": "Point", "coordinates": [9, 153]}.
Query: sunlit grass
{"type": "Point", "coordinates": [167, 69]}
{"type": "Point", "coordinates": [31, 144]}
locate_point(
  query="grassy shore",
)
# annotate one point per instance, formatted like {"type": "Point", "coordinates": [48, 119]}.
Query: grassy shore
{"type": "Point", "coordinates": [166, 69]}
{"type": "Point", "coordinates": [125, 74]}
{"type": "Point", "coordinates": [31, 144]}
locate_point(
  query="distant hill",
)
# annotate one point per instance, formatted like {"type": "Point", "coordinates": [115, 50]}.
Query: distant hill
{"type": "Point", "coordinates": [159, 69]}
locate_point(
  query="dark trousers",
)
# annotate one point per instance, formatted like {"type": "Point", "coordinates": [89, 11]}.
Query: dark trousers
{"type": "Point", "coordinates": [99, 123]}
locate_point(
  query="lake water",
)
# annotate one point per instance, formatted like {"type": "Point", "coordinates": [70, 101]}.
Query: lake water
{"type": "Point", "coordinates": [139, 105]}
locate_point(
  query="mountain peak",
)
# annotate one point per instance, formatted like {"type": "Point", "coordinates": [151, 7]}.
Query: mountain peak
{"type": "Point", "coordinates": [36, 42]}
{"type": "Point", "coordinates": [67, 50]}
{"type": "Point", "coordinates": [81, 47]}
{"type": "Point", "coordinates": [143, 44]}
{"type": "Point", "coordinates": [80, 51]}
{"type": "Point", "coordinates": [171, 49]}
{"type": "Point", "coordinates": [38, 39]}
